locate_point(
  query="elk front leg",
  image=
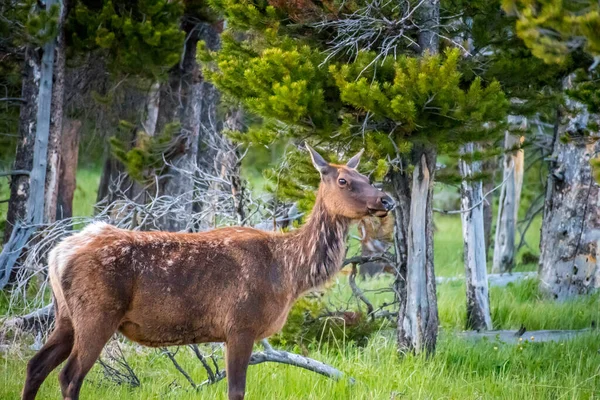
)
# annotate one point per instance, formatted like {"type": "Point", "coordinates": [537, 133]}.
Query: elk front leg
{"type": "Point", "coordinates": [238, 352]}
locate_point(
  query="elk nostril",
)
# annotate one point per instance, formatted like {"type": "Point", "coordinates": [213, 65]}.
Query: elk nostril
{"type": "Point", "coordinates": [388, 203]}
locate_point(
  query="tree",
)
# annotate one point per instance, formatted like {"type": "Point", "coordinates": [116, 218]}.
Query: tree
{"type": "Point", "coordinates": [46, 24]}
{"type": "Point", "coordinates": [558, 33]}
{"type": "Point", "coordinates": [510, 194]}
{"type": "Point", "coordinates": [478, 298]}
{"type": "Point", "coordinates": [305, 79]}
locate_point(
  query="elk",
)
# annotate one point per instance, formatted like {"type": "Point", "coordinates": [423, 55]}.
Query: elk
{"type": "Point", "coordinates": [233, 285]}
{"type": "Point", "coordinates": [376, 237]}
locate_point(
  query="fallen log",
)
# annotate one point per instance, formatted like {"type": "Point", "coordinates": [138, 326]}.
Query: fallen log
{"type": "Point", "coordinates": [516, 336]}
{"type": "Point", "coordinates": [38, 320]}
{"type": "Point", "coordinates": [497, 280]}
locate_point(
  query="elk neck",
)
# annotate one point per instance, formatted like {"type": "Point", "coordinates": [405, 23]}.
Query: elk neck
{"type": "Point", "coordinates": [314, 253]}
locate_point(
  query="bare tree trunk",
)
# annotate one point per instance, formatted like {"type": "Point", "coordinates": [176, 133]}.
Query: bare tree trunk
{"type": "Point", "coordinates": [56, 120]}
{"type": "Point", "coordinates": [67, 181]}
{"type": "Point", "coordinates": [179, 182]}
{"type": "Point", "coordinates": [489, 166]}
{"type": "Point", "coordinates": [570, 242]}
{"type": "Point", "coordinates": [152, 107]}
{"type": "Point", "coordinates": [508, 205]}
{"type": "Point", "coordinates": [418, 320]}
{"type": "Point", "coordinates": [478, 299]}
{"type": "Point", "coordinates": [19, 185]}
{"type": "Point", "coordinates": [35, 201]}
{"type": "Point", "coordinates": [418, 317]}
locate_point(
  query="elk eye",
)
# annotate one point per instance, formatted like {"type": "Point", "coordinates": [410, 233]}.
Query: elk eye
{"type": "Point", "coordinates": [342, 181]}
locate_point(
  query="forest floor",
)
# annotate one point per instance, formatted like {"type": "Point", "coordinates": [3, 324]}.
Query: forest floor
{"type": "Point", "coordinates": [460, 369]}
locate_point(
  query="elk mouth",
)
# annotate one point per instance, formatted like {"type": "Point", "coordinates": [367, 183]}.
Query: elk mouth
{"type": "Point", "coordinates": [378, 212]}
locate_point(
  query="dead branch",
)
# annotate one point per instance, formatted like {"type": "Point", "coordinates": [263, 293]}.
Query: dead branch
{"type": "Point", "coordinates": [358, 293]}
{"type": "Point", "coordinates": [38, 320]}
{"type": "Point", "coordinates": [117, 369]}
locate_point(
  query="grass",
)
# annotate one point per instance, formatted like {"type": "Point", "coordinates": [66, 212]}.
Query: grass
{"type": "Point", "coordinates": [460, 369]}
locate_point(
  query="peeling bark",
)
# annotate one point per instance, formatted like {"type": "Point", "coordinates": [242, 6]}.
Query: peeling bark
{"type": "Point", "coordinates": [35, 200]}
{"type": "Point", "coordinates": [418, 319]}
{"type": "Point", "coordinates": [569, 259]}
{"type": "Point", "coordinates": [56, 120]}
{"type": "Point", "coordinates": [478, 299]}
{"type": "Point", "coordinates": [19, 184]}
{"type": "Point", "coordinates": [508, 205]}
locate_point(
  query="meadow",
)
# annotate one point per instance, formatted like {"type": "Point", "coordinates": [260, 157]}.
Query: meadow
{"type": "Point", "coordinates": [460, 369]}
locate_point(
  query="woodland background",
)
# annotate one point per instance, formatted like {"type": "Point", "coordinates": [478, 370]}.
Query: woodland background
{"type": "Point", "coordinates": [481, 118]}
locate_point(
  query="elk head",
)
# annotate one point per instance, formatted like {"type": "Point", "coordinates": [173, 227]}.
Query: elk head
{"type": "Point", "coordinates": [346, 192]}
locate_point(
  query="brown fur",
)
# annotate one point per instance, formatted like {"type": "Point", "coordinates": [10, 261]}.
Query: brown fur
{"type": "Point", "coordinates": [232, 285]}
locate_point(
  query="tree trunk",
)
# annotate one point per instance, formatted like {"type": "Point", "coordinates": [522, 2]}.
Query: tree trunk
{"type": "Point", "coordinates": [56, 120]}
{"type": "Point", "coordinates": [418, 317]}
{"type": "Point", "coordinates": [179, 182]}
{"type": "Point", "coordinates": [35, 201]}
{"type": "Point", "coordinates": [418, 320]}
{"type": "Point", "coordinates": [478, 299]}
{"type": "Point", "coordinates": [67, 181]}
{"type": "Point", "coordinates": [19, 184]}
{"type": "Point", "coordinates": [489, 166]}
{"type": "Point", "coordinates": [570, 242]}
{"type": "Point", "coordinates": [508, 204]}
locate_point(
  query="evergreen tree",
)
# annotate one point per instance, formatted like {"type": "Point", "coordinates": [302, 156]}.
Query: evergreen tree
{"type": "Point", "coordinates": [403, 110]}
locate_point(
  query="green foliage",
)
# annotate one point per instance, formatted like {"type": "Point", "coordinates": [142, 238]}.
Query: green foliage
{"type": "Point", "coordinates": [146, 155]}
{"type": "Point", "coordinates": [309, 322]}
{"type": "Point", "coordinates": [42, 26]}
{"type": "Point", "coordinates": [142, 37]}
{"type": "Point", "coordinates": [551, 28]}
{"type": "Point", "coordinates": [423, 97]}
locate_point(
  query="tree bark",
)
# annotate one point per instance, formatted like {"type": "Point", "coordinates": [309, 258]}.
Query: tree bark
{"type": "Point", "coordinates": [56, 120]}
{"type": "Point", "coordinates": [478, 299]}
{"type": "Point", "coordinates": [570, 242]}
{"type": "Point", "coordinates": [418, 320]}
{"type": "Point", "coordinates": [508, 205]}
{"type": "Point", "coordinates": [67, 181]}
{"type": "Point", "coordinates": [418, 316]}
{"type": "Point", "coordinates": [179, 181]}
{"type": "Point", "coordinates": [489, 166]}
{"type": "Point", "coordinates": [35, 200]}
{"type": "Point", "coordinates": [19, 184]}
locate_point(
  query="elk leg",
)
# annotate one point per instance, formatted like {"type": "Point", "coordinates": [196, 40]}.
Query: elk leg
{"type": "Point", "coordinates": [239, 350]}
{"type": "Point", "coordinates": [90, 339]}
{"type": "Point", "coordinates": [55, 351]}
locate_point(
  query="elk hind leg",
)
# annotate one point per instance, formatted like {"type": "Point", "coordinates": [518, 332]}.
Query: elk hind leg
{"type": "Point", "coordinates": [55, 351]}
{"type": "Point", "coordinates": [90, 338]}
{"type": "Point", "coordinates": [239, 350]}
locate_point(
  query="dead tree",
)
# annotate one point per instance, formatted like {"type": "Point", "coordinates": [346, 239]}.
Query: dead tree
{"type": "Point", "coordinates": [570, 253]}
{"type": "Point", "coordinates": [67, 180]}
{"type": "Point", "coordinates": [508, 204]}
{"type": "Point", "coordinates": [478, 299]}
{"type": "Point", "coordinates": [34, 215]}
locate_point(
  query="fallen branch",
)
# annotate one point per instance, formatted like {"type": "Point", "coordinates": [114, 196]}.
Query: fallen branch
{"type": "Point", "coordinates": [511, 336]}
{"type": "Point", "coordinates": [34, 321]}
{"type": "Point", "coordinates": [498, 280]}
{"type": "Point", "coordinates": [359, 294]}
{"type": "Point", "coordinates": [268, 355]}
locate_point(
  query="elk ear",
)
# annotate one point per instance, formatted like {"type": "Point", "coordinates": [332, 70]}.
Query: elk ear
{"type": "Point", "coordinates": [318, 161]}
{"type": "Point", "coordinates": [353, 162]}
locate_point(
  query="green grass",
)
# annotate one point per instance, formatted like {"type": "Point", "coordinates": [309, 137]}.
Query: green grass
{"type": "Point", "coordinates": [460, 369]}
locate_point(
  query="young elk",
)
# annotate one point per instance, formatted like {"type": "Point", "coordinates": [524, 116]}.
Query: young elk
{"type": "Point", "coordinates": [232, 285]}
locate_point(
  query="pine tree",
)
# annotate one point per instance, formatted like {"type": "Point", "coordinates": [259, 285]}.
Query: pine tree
{"type": "Point", "coordinates": [403, 110]}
